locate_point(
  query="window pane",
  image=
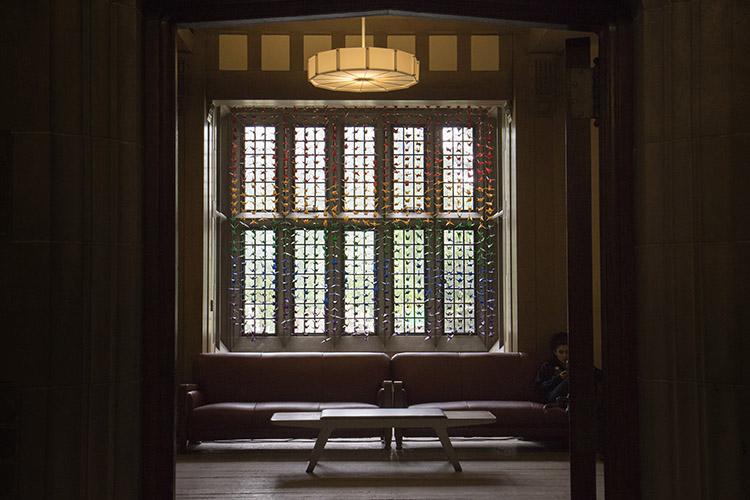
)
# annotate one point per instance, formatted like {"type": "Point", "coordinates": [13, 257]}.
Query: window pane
{"type": "Point", "coordinates": [458, 269]}
{"type": "Point", "coordinates": [408, 281]}
{"type": "Point", "coordinates": [309, 169]}
{"type": "Point", "coordinates": [309, 281]}
{"type": "Point", "coordinates": [408, 169]}
{"type": "Point", "coordinates": [458, 169]}
{"type": "Point", "coordinates": [359, 168]}
{"type": "Point", "coordinates": [359, 286]}
{"type": "Point", "coordinates": [260, 282]}
{"type": "Point", "coordinates": [260, 169]}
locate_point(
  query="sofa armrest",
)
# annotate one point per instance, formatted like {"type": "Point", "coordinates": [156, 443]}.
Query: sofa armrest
{"type": "Point", "coordinates": [399, 395]}
{"type": "Point", "coordinates": [399, 401]}
{"type": "Point", "coordinates": [189, 398]}
{"type": "Point", "coordinates": [194, 399]}
{"type": "Point", "coordinates": [385, 395]}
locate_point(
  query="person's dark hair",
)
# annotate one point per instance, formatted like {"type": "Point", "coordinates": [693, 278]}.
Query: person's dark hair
{"type": "Point", "coordinates": [558, 339]}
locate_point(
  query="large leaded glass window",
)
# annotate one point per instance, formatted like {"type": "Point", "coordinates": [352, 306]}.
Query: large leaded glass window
{"type": "Point", "coordinates": [362, 225]}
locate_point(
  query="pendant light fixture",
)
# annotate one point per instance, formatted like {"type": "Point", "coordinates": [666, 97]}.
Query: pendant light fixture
{"type": "Point", "coordinates": [363, 69]}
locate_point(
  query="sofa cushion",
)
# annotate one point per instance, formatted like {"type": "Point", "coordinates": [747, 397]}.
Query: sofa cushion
{"type": "Point", "coordinates": [495, 376]}
{"type": "Point", "coordinates": [353, 376]}
{"type": "Point", "coordinates": [220, 421]}
{"type": "Point", "coordinates": [428, 376]}
{"type": "Point", "coordinates": [248, 420]}
{"type": "Point", "coordinates": [312, 377]}
{"type": "Point", "coordinates": [498, 376]}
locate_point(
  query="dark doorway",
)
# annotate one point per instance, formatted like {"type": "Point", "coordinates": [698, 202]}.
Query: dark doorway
{"type": "Point", "coordinates": [613, 25]}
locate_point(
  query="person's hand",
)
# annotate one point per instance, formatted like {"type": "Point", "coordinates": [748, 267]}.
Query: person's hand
{"type": "Point", "coordinates": [564, 374]}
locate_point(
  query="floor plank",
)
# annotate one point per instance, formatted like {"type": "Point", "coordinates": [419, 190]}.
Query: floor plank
{"type": "Point", "coordinates": [361, 469]}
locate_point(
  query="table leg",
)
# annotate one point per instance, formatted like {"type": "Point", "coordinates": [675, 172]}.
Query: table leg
{"type": "Point", "coordinates": [387, 438]}
{"type": "Point", "coordinates": [442, 434]}
{"type": "Point", "coordinates": [320, 443]}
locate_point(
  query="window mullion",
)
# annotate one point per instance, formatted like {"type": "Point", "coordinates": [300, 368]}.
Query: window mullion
{"type": "Point", "coordinates": [237, 282]}
{"type": "Point", "coordinates": [286, 179]}
{"type": "Point", "coordinates": [335, 170]}
{"type": "Point", "coordinates": [437, 174]}
{"type": "Point", "coordinates": [489, 273]}
{"type": "Point", "coordinates": [237, 240]}
{"type": "Point", "coordinates": [479, 181]}
{"type": "Point", "coordinates": [336, 301]}
{"type": "Point", "coordinates": [231, 129]}
{"type": "Point", "coordinates": [281, 283]}
{"type": "Point", "coordinates": [383, 309]}
{"type": "Point", "coordinates": [436, 233]}
{"type": "Point", "coordinates": [381, 165]}
{"type": "Point", "coordinates": [285, 266]}
{"type": "Point", "coordinates": [438, 277]}
{"type": "Point", "coordinates": [480, 262]}
{"type": "Point", "coordinates": [334, 234]}
{"type": "Point", "coordinates": [430, 174]}
{"type": "Point", "coordinates": [387, 170]}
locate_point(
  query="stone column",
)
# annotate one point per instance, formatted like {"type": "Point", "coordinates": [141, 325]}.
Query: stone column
{"type": "Point", "coordinates": [692, 235]}
{"type": "Point", "coordinates": [70, 248]}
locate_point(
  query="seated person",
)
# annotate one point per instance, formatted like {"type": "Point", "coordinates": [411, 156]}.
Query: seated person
{"type": "Point", "coordinates": [552, 377]}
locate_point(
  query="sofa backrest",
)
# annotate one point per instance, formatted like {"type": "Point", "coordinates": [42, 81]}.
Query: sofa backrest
{"type": "Point", "coordinates": [451, 376]}
{"type": "Point", "coordinates": [260, 377]}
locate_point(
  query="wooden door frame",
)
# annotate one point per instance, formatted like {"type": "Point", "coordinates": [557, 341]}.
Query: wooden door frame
{"type": "Point", "coordinates": [611, 20]}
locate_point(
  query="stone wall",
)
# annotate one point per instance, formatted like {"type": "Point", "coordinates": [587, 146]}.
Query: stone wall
{"type": "Point", "coordinates": [692, 231]}
{"type": "Point", "coordinates": [70, 249]}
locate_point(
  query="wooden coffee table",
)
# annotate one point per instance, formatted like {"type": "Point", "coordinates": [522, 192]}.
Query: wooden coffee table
{"type": "Point", "coordinates": [383, 418]}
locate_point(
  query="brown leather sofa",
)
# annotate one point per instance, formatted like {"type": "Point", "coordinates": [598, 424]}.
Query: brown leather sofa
{"type": "Point", "coordinates": [235, 395]}
{"type": "Point", "coordinates": [501, 383]}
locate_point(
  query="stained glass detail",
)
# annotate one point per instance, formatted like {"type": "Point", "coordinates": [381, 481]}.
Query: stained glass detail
{"type": "Point", "coordinates": [359, 168]}
{"type": "Point", "coordinates": [359, 282]}
{"type": "Point", "coordinates": [458, 169]}
{"type": "Point", "coordinates": [309, 281]}
{"type": "Point", "coordinates": [459, 282]}
{"type": "Point", "coordinates": [260, 282]}
{"type": "Point", "coordinates": [260, 169]}
{"type": "Point", "coordinates": [309, 169]}
{"type": "Point", "coordinates": [408, 169]}
{"type": "Point", "coordinates": [408, 281]}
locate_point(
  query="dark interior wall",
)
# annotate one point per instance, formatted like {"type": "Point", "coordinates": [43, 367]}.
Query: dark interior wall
{"type": "Point", "coordinates": [539, 211]}
{"type": "Point", "coordinates": [71, 252]}
{"type": "Point", "coordinates": [292, 84]}
{"type": "Point", "coordinates": [692, 252]}
{"type": "Point", "coordinates": [70, 255]}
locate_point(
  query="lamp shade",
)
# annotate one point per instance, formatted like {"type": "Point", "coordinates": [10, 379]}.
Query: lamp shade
{"type": "Point", "coordinates": [363, 69]}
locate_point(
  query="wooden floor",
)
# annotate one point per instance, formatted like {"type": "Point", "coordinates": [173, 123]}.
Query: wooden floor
{"type": "Point", "coordinates": [361, 469]}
